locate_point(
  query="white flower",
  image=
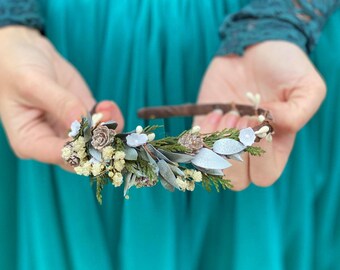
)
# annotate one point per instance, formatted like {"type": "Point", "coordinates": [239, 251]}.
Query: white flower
{"type": "Point", "coordinates": [195, 129]}
{"type": "Point", "coordinates": [119, 165]}
{"type": "Point", "coordinates": [197, 176]}
{"type": "Point", "coordinates": [81, 154]}
{"type": "Point", "coordinates": [97, 168]}
{"type": "Point", "coordinates": [96, 118]}
{"type": "Point", "coordinates": [247, 136]}
{"type": "Point", "coordinates": [119, 155]}
{"type": "Point", "coordinates": [181, 183]}
{"type": "Point", "coordinates": [254, 98]}
{"type": "Point", "coordinates": [188, 173]}
{"type": "Point", "coordinates": [151, 137]}
{"type": "Point", "coordinates": [75, 127]}
{"type": "Point", "coordinates": [139, 129]}
{"type": "Point", "coordinates": [117, 179]}
{"type": "Point", "coordinates": [107, 153]}
{"type": "Point", "coordinates": [79, 144]}
{"type": "Point", "coordinates": [110, 174]}
{"type": "Point", "coordinates": [190, 185]}
{"type": "Point", "coordinates": [135, 139]}
{"type": "Point", "coordinates": [66, 152]}
{"type": "Point", "coordinates": [261, 118]}
{"type": "Point", "coordinates": [85, 169]}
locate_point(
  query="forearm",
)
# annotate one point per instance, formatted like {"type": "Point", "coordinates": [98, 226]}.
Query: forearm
{"type": "Point", "coordinates": [20, 12]}
{"type": "Point", "coordinates": [297, 21]}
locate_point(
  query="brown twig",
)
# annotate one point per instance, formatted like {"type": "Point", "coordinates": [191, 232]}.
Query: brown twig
{"type": "Point", "coordinates": [199, 109]}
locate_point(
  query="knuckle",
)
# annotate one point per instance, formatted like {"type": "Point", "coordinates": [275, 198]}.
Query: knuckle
{"type": "Point", "coordinates": [28, 83]}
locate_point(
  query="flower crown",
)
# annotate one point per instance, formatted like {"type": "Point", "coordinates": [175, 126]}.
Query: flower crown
{"type": "Point", "coordinates": [136, 159]}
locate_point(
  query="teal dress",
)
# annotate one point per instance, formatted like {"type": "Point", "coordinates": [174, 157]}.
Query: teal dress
{"type": "Point", "coordinates": [144, 53]}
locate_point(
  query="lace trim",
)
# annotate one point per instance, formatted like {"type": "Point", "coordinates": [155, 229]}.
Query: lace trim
{"type": "Point", "coordinates": [20, 12]}
{"type": "Point", "coordinates": [297, 21]}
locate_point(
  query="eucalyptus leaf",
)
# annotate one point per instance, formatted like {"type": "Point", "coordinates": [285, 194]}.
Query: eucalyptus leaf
{"type": "Point", "coordinates": [146, 156]}
{"type": "Point", "coordinates": [228, 147]}
{"type": "Point", "coordinates": [95, 154]}
{"type": "Point", "coordinates": [208, 159]}
{"type": "Point", "coordinates": [167, 174]}
{"type": "Point", "coordinates": [166, 185]}
{"type": "Point", "coordinates": [177, 157]}
{"type": "Point", "coordinates": [211, 171]}
{"type": "Point", "coordinates": [236, 157]}
{"type": "Point", "coordinates": [159, 155]}
{"type": "Point", "coordinates": [176, 170]}
{"type": "Point", "coordinates": [129, 182]}
{"type": "Point", "coordinates": [130, 153]}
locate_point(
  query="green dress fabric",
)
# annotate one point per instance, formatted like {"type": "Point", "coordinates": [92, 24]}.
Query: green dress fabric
{"type": "Point", "coordinates": [143, 53]}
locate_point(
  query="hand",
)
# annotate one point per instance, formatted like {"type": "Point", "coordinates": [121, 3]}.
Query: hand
{"type": "Point", "coordinates": [41, 94]}
{"type": "Point", "coordinates": [290, 88]}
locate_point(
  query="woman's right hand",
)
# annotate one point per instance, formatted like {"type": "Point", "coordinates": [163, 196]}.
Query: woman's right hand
{"type": "Point", "coordinates": [41, 94]}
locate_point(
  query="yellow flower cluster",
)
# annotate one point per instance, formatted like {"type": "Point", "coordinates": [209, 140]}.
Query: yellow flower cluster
{"type": "Point", "coordinates": [84, 169]}
{"type": "Point", "coordinates": [194, 175]}
{"type": "Point", "coordinates": [119, 162]}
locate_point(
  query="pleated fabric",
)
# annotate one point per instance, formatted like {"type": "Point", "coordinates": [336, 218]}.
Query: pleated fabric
{"type": "Point", "coordinates": [143, 53]}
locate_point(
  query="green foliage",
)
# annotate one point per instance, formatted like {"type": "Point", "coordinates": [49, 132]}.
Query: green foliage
{"type": "Point", "coordinates": [118, 144]}
{"type": "Point", "coordinates": [255, 150]}
{"type": "Point", "coordinates": [170, 144]}
{"type": "Point", "coordinates": [217, 181]}
{"type": "Point", "coordinates": [231, 133]}
{"type": "Point", "coordinates": [145, 168]}
{"type": "Point", "coordinates": [100, 183]}
{"type": "Point", "coordinates": [150, 129]}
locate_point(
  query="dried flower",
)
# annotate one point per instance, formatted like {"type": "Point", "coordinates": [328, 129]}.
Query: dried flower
{"type": "Point", "coordinates": [102, 136]}
{"type": "Point", "coordinates": [135, 139]}
{"type": "Point", "coordinates": [190, 185]}
{"type": "Point", "coordinates": [84, 169]}
{"type": "Point", "coordinates": [75, 127]}
{"type": "Point", "coordinates": [66, 152]}
{"type": "Point", "coordinates": [182, 184]}
{"type": "Point", "coordinates": [79, 144]}
{"type": "Point", "coordinates": [192, 141]}
{"type": "Point", "coordinates": [139, 129]}
{"type": "Point", "coordinates": [97, 168]}
{"type": "Point", "coordinates": [119, 155]}
{"type": "Point", "coordinates": [145, 182]}
{"type": "Point", "coordinates": [197, 176]}
{"type": "Point", "coordinates": [96, 118]}
{"type": "Point", "coordinates": [73, 161]}
{"type": "Point", "coordinates": [117, 179]}
{"type": "Point", "coordinates": [151, 137]}
{"type": "Point", "coordinates": [119, 165]}
{"type": "Point", "coordinates": [107, 153]}
{"type": "Point", "coordinates": [195, 129]}
{"type": "Point", "coordinates": [247, 136]}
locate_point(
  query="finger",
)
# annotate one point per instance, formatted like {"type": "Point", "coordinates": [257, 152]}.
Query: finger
{"type": "Point", "coordinates": [230, 119]}
{"type": "Point", "coordinates": [71, 80]}
{"type": "Point", "coordinates": [111, 111]}
{"type": "Point", "coordinates": [209, 122]}
{"type": "Point", "coordinates": [62, 104]}
{"type": "Point", "coordinates": [300, 104]}
{"type": "Point", "coordinates": [32, 138]}
{"type": "Point", "coordinates": [238, 173]}
{"type": "Point", "coordinates": [265, 170]}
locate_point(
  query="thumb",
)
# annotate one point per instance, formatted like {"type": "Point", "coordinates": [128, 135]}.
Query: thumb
{"type": "Point", "coordinates": [57, 101]}
{"type": "Point", "coordinates": [293, 112]}
{"type": "Point", "coordinates": [111, 111]}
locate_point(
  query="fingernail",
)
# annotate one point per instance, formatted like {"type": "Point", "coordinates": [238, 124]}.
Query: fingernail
{"type": "Point", "coordinates": [231, 120]}
{"type": "Point", "coordinates": [215, 116]}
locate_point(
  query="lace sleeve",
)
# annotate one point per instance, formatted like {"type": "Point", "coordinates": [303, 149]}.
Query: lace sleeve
{"type": "Point", "coordinates": [22, 12]}
{"type": "Point", "coordinates": [297, 21]}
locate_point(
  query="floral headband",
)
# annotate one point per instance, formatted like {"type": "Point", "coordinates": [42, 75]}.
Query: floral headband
{"type": "Point", "coordinates": [136, 159]}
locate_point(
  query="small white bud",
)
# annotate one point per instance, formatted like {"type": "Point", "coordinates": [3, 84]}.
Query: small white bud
{"type": "Point", "coordinates": [263, 129]}
{"type": "Point", "coordinates": [261, 135]}
{"type": "Point", "coordinates": [139, 129]}
{"type": "Point", "coordinates": [261, 118]}
{"type": "Point", "coordinates": [96, 118]}
{"type": "Point", "coordinates": [269, 137]}
{"type": "Point", "coordinates": [195, 129]}
{"type": "Point", "coordinates": [151, 137]}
